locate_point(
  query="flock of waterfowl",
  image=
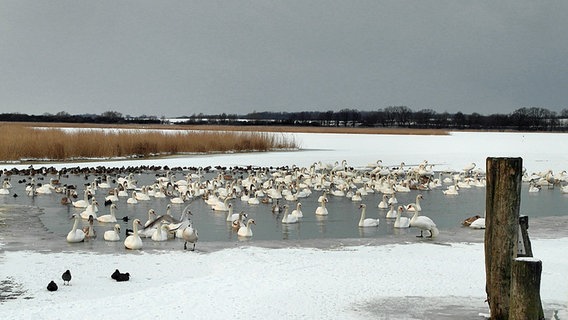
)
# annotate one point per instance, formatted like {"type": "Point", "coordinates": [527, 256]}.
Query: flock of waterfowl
{"type": "Point", "coordinates": [281, 189]}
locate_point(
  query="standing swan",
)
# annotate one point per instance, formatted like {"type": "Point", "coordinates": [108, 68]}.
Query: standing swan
{"type": "Point", "coordinates": [424, 223]}
{"type": "Point", "coordinates": [190, 235]}
{"type": "Point", "coordinates": [76, 234]}
{"type": "Point", "coordinates": [367, 222]}
{"type": "Point", "coordinates": [133, 241]}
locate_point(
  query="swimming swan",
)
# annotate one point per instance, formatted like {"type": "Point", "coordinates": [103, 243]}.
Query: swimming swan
{"type": "Point", "coordinates": [391, 214]}
{"type": "Point", "coordinates": [401, 222]}
{"type": "Point", "coordinates": [298, 211]}
{"type": "Point", "coordinates": [246, 231]}
{"type": "Point", "coordinates": [161, 233]}
{"type": "Point", "coordinates": [288, 218]}
{"type": "Point", "coordinates": [133, 241]}
{"type": "Point", "coordinates": [416, 205]}
{"type": "Point", "coordinates": [384, 203]}
{"type": "Point", "coordinates": [367, 222]}
{"type": "Point", "coordinates": [109, 218]}
{"type": "Point", "coordinates": [112, 235]}
{"type": "Point", "coordinates": [322, 210]}
{"type": "Point", "coordinates": [76, 234]}
{"type": "Point", "coordinates": [91, 210]}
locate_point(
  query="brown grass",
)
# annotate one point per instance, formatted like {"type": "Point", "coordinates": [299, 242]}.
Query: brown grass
{"type": "Point", "coordinates": [350, 130]}
{"type": "Point", "coordinates": [21, 141]}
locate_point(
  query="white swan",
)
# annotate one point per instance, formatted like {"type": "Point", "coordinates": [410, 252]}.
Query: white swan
{"type": "Point", "coordinates": [230, 215]}
{"type": "Point", "coordinates": [91, 210]}
{"type": "Point", "coordinates": [366, 222]}
{"type": "Point", "coordinates": [132, 200]}
{"type": "Point", "coordinates": [109, 218]}
{"type": "Point", "coordinates": [76, 234]}
{"type": "Point", "coordinates": [133, 241]}
{"type": "Point", "coordinates": [151, 217]}
{"type": "Point", "coordinates": [83, 203]}
{"type": "Point", "coordinates": [5, 187]}
{"type": "Point", "coordinates": [288, 218]}
{"type": "Point", "coordinates": [533, 187]}
{"type": "Point", "coordinates": [391, 214]}
{"type": "Point", "coordinates": [106, 184]}
{"type": "Point", "coordinates": [112, 197]}
{"type": "Point", "coordinates": [451, 190]}
{"type": "Point", "coordinates": [222, 206]}
{"type": "Point", "coordinates": [178, 226]}
{"type": "Point", "coordinates": [401, 222]}
{"type": "Point", "coordinates": [298, 211]}
{"type": "Point", "coordinates": [424, 224]}
{"type": "Point", "coordinates": [322, 209]}
{"type": "Point", "coordinates": [393, 199]}
{"type": "Point", "coordinates": [357, 196]}
{"type": "Point", "coordinates": [384, 203]}
{"type": "Point", "coordinates": [112, 235]}
{"type": "Point", "coordinates": [478, 223]}
{"type": "Point", "coordinates": [246, 231]}
{"type": "Point", "coordinates": [161, 233]}
{"type": "Point", "coordinates": [254, 200]}
{"type": "Point", "coordinates": [143, 194]}
{"type": "Point", "coordinates": [416, 205]}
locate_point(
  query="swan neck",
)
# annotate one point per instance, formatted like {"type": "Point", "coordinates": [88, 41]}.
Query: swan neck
{"type": "Point", "coordinates": [362, 214]}
{"type": "Point", "coordinates": [75, 224]}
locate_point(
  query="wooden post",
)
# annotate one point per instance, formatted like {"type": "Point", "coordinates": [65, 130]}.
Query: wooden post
{"type": "Point", "coordinates": [525, 290]}
{"type": "Point", "coordinates": [502, 206]}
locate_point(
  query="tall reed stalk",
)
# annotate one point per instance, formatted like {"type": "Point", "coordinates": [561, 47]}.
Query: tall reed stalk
{"type": "Point", "coordinates": [25, 142]}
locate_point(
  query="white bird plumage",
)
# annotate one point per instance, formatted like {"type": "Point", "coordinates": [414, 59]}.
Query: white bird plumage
{"type": "Point", "coordinates": [288, 218]}
{"type": "Point", "coordinates": [366, 222]}
{"type": "Point", "coordinates": [424, 224]}
{"type": "Point", "coordinates": [109, 218]}
{"type": "Point", "coordinates": [322, 209]}
{"type": "Point", "coordinates": [401, 222]}
{"type": "Point", "coordinates": [133, 241]}
{"type": "Point", "coordinates": [298, 211]}
{"type": "Point", "coordinates": [112, 235]}
{"type": "Point", "coordinates": [76, 234]}
{"type": "Point", "coordinates": [247, 230]}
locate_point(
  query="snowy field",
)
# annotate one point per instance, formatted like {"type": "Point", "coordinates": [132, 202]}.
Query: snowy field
{"type": "Point", "coordinates": [423, 279]}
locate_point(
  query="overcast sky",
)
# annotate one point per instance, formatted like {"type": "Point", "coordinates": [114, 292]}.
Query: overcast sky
{"type": "Point", "coordinates": [174, 58]}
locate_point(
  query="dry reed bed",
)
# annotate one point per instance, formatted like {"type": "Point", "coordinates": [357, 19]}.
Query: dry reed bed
{"type": "Point", "coordinates": [29, 142]}
{"type": "Point", "coordinates": [275, 128]}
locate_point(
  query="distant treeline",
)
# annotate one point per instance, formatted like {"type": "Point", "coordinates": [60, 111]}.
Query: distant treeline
{"type": "Point", "coordinates": [525, 119]}
{"type": "Point", "coordinates": [110, 117]}
{"type": "Point", "coordinates": [530, 119]}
